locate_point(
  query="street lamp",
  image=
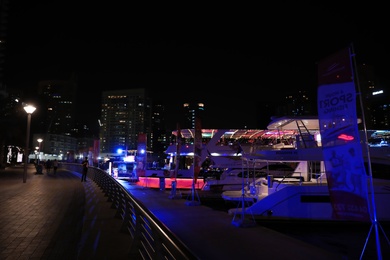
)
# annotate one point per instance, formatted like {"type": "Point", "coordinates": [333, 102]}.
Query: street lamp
{"type": "Point", "coordinates": [39, 149]}
{"type": "Point", "coordinates": [29, 110]}
{"type": "Point", "coordinates": [36, 154]}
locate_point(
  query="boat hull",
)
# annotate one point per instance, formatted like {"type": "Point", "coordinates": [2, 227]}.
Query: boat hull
{"type": "Point", "coordinates": [306, 201]}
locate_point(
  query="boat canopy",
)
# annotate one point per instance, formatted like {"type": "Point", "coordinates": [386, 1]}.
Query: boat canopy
{"type": "Point", "coordinates": [236, 134]}
{"type": "Point", "coordinates": [293, 123]}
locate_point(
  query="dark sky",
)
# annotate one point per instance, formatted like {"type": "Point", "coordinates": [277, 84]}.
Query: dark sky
{"type": "Point", "coordinates": [229, 56]}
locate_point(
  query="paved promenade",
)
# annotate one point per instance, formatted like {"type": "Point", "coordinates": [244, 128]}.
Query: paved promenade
{"type": "Point", "coordinates": [60, 217]}
{"type": "Point", "coordinates": [56, 217]}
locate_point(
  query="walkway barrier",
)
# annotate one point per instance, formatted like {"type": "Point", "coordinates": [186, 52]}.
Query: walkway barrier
{"type": "Point", "coordinates": [151, 239]}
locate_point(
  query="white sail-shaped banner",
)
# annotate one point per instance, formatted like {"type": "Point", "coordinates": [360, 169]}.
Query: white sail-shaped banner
{"type": "Point", "coordinates": [344, 164]}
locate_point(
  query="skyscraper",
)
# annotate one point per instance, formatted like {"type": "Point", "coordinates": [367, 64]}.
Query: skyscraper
{"type": "Point", "coordinates": [124, 114]}
{"type": "Point", "coordinates": [192, 111]}
{"type": "Point", "coordinates": [58, 98]}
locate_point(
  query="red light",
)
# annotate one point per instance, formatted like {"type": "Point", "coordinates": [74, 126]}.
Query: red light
{"type": "Point", "coordinates": [181, 183]}
{"type": "Point", "coordinates": [346, 137]}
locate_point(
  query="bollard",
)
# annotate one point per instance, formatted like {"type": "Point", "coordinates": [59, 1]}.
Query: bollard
{"type": "Point", "coordinates": [173, 190]}
{"type": "Point", "coordinates": [174, 187]}
{"type": "Point", "coordinates": [162, 183]}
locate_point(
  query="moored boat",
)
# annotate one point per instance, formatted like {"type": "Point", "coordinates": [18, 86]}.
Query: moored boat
{"type": "Point", "coordinates": [309, 198]}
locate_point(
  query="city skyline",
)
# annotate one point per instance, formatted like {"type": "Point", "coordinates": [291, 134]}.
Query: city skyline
{"type": "Point", "coordinates": [229, 58]}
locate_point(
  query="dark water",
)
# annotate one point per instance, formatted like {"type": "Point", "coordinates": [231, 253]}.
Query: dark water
{"type": "Point", "coordinates": [351, 240]}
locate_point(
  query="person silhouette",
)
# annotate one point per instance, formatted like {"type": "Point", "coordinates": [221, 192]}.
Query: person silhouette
{"type": "Point", "coordinates": [85, 169]}
{"type": "Point", "coordinates": [49, 164]}
{"type": "Point", "coordinates": [55, 166]}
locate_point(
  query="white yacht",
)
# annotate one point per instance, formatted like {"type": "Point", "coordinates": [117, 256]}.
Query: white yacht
{"type": "Point", "coordinates": [306, 196]}
{"type": "Point", "coordinates": [221, 154]}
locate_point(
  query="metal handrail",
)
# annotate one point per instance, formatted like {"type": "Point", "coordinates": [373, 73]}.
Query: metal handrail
{"type": "Point", "coordinates": [151, 239]}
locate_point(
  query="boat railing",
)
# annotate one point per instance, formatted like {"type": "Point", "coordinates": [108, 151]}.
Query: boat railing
{"type": "Point", "coordinates": [318, 176]}
{"type": "Point", "coordinates": [278, 146]}
{"type": "Point", "coordinates": [287, 178]}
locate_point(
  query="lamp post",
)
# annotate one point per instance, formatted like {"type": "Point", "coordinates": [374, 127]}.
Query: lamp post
{"type": "Point", "coordinates": [36, 154]}
{"type": "Point", "coordinates": [29, 110]}
{"type": "Point", "coordinates": [39, 149]}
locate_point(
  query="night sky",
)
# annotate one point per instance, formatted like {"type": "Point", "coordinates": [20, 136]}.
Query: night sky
{"type": "Point", "coordinates": [230, 56]}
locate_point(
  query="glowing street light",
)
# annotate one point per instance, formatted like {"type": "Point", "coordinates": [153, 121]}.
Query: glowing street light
{"type": "Point", "coordinates": [36, 154]}
{"type": "Point", "coordinates": [29, 110]}
{"type": "Point", "coordinates": [40, 140]}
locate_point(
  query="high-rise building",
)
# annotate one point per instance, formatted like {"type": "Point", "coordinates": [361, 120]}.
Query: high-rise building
{"type": "Point", "coordinates": [375, 99]}
{"type": "Point", "coordinates": [54, 120]}
{"type": "Point", "coordinates": [124, 115]}
{"type": "Point", "coordinates": [159, 136]}
{"type": "Point", "coordinates": [159, 142]}
{"type": "Point", "coordinates": [379, 117]}
{"type": "Point", "coordinates": [57, 99]}
{"type": "Point", "coordinates": [190, 112]}
{"type": "Point", "coordinates": [296, 103]}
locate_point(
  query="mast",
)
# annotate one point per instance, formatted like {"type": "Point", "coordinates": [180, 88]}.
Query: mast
{"type": "Point", "coordinates": [374, 220]}
{"type": "Point", "coordinates": [197, 162]}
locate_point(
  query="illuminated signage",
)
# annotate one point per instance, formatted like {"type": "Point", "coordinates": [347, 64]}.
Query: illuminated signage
{"type": "Point", "coordinates": [377, 92]}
